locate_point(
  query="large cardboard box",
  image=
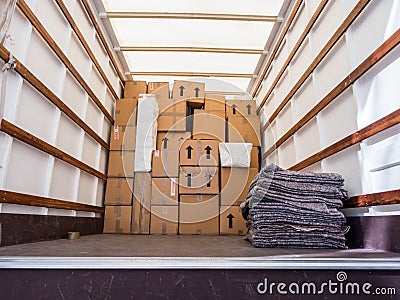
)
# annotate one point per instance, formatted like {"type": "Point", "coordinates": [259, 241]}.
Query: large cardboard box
{"type": "Point", "coordinates": [241, 107]}
{"type": "Point", "coordinates": [165, 163]}
{"type": "Point", "coordinates": [192, 92]}
{"type": "Point", "coordinates": [164, 219]}
{"type": "Point", "coordinates": [164, 191]}
{"type": "Point", "coordinates": [171, 106]}
{"type": "Point", "coordinates": [235, 184]}
{"type": "Point", "coordinates": [199, 153]}
{"type": "Point", "coordinates": [119, 191]}
{"type": "Point", "coordinates": [117, 219]}
{"type": "Point", "coordinates": [214, 102]}
{"type": "Point", "coordinates": [134, 88]}
{"type": "Point", "coordinates": [231, 221]}
{"type": "Point", "coordinates": [171, 140]}
{"type": "Point", "coordinates": [254, 158]}
{"type": "Point", "coordinates": [121, 164]}
{"type": "Point", "coordinates": [123, 138]}
{"type": "Point", "coordinates": [158, 89]}
{"type": "Point", "coordinates": [172, 122]}
{"type": "Point", "coordinates": [198, 214]}
{"type": "Point", "coordinates": [199, 180]}
{"type": "Point", "coordinates": [244, 130]}
{"type": "Point", "coordinates": [209, 124]}
{"type": "Point", "coordinates": [141, 203]}
{"type": "Point", "coordinates": [125, 112]}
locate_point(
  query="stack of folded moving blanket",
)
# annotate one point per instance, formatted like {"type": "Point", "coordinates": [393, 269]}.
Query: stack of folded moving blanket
{"type": "Point", "coordinates": [295, 209]}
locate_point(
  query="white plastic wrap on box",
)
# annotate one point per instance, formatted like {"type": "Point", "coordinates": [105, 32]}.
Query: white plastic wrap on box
{"type": "Point", "coordinates": [146, 135]}
{"type": "Point", "coordinates": [235, 154]}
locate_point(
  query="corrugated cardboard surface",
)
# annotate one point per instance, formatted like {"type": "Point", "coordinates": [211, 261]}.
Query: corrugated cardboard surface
{"type": "Point", "coordinates": [121, 163]}
{"type": "Point", "coordinates": [164, 191]}
{"type": "Point", "coordinates": [117, 219]}
{"type": "Point", "coordinates": [209, 125]}
{"type": "Point", "coordinates": [119, 191]}
{"type": "Point", "coordinates": [231, 221]}
{"type": "Point", "coordinates": [254, 159]}
{"type": "Point", "coordinates": [199, 153]}
{"type": "Point", "coordinates": [187, 90]}
{"type": "Point", "coordinates": [241, 107]}
{"type": "Point", "coordinates": [141, 203]}
{"type": "Point", "coordinates": [172, 122]}
{"type": "Point", "coordinates": [235, 184]}
{"type": "Point", "coordinates": [198, 214]}
{"type": "Point", "coordinates": [164, 219]}
{"type": "Point", "coordinates": [125, 112]}
{"type": "Point", "coordinates": [123, 137]}
{"type": "Point", "coordinates": [159, 89]}
{"type": "Point", "coordinates": [165, 163]}
{"type": "Point", "coordinates": [199, 180]}
{"type": "Point", "coordinates": [171, 140]}
{"type": "Point", "coordinates": [167, 105]}
{"type": "Point", "coordinates": [134, 88]}
{"type": "Point", "coordinates": [214, 102]}
{"type": "Point", "coordinates": [244, 130]}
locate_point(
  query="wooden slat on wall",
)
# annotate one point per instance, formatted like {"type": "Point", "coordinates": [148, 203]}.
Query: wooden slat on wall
{"type": "Point", "coordinates": [31, 200]}
{"type": "Point", "coordinates": [382, 198]}
{"type": "Point", "coordinates": [46, 92]}
{"type": "Point", "coordinates": [34, 141]}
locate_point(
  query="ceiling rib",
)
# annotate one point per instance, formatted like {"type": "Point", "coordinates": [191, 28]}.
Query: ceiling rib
{"type": "Point", "coordinates": [190, 49]}
{"type": "Point", "coordinates": [191, 74]}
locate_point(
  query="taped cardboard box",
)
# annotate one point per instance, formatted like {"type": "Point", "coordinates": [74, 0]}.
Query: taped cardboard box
{"type": "Point", "coordinates": [241, 108]}
{"type": "Point", "coordinates": [198, 214]}
{"type": "Point", "coordinates": [235, 154]}
{"type": "Point", "coordinates": [141, 203]}
{"type": "Point", "coordinates": [171, 140]}
{"type": "Point", "coordinates": [119, 191]}
{"type": "Point", "coordinates": [123, 138]}
{"type": "Point", "coordinates": [192, 92]}
{"type": "Point", "coordinates": [125, 112]}
{"type": "Point", "coordinates": [134, 88]}
{"type": "Point", "coordinates": [235, 184]}
{"type": "Point", "coordinates": [164, 191]}
{"type": "Point", "coordinates": [244, 130]}
{"type": "Point", "coordinates": [231, 221]}
{"type": "Point", "coordinates": [165, 163]}
{"type": "Point", "coordinates": [159, 89]}
{"type": "Point", "coordinates": [121, 163]}
{"type": "Point", "coordinates": [214, 102]}
{"type": "Point", "coordinates": [209, 124]}
{"type": "Point", "coordinates": [199, 153]}
{"type": "Point", "coordinates": [117, 219]}
{"type": "Point", "coordinates": [172, 122]}
{"type": "Point", "coordinates": [198, 180]}
{"type": "Point", "coordinates": [164, 219]}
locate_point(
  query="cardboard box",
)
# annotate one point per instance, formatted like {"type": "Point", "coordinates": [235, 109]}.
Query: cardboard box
{"type": "Point", "coordinates": [199, 180]}
{"type": "Point", "coordinates": [164, 219]}
{"type": "Point", "coordinates": [244, 130]}
{"type": "Point", "coordinates": [171, 140]}
{"type": "Point", "coordinates": [241, 107]}
{"type": "Point", "coordinates": [214, 102]}
{"type": "Point", "coordinates": [117, 219]}
{"type": "Point", "coordinates": [121, 163]}
{"type": "Point", "coordinates": [134, 88]}
{"type": "Point", "coordinates": [235, 184]}
{"type": "Point", "coordinates": [209, 124]}
{"type": "Point", "coordinates": [165, 163]}
{"type": "Point", "coordinates": [198, 214]}
{"type": "Point", "coordinates": [231, 221]}
{"type": "Point", "coordinates": [172, 122]}
{"type": "Point", "coordinates": [173, 106]}
{"type": "Point", "coordinates": [123, 138]}
{"type": "Point", "coordinates": [164, 191]}
{"type": "Point", "coordinates": [199, 153]}
{"type": "Point", "coordinates": [159, 89]}
{"type": "Point", "coordinates": [125, 112]}
{"type": "Point", "coordinates": [192, 92]}
{"type": "Point", "coordinates": [254, 158]}
{"type": "Point", "coordinates": [141, 203]}
{"type": "Point", "coordinates": [119, 191]}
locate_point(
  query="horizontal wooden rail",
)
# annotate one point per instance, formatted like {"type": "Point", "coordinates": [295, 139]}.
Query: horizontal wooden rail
{"type": "Point", "coordinates": [282, 35]}
{"type": "Point", "coordinates": [382, 198]}
{"type": "Point", "coordinates": [357, 10]}
{"type": "Point", "coordinates": [292, 53]}
{"type": "Point", "coordinates": [37, 84]}
{"type": "Point", "coordinates": [102, 38]}
{"type": "Point", "coordinates": [189, 49]}
{"type": "Point", "coordinates": [57, 50]}
{"type": "Point", "coordinates": [352, 139]}
{"type": "Point", "coordinates": [37, 143]}
{"type": "Point", "coordinates": [188, 16]}
{"type": "Point", "coordinates": [86, 46]}
{"type": "Point", "coordinates": [366, 65]}
{"type": "Point", "coordinates": [32, 200]}
{"type": "Point", "coordinates": [192, 74]}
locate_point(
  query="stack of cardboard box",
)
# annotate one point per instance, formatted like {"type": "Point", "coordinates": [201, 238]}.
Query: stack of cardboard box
{"type": "Point", "coordinates": [120, 181]}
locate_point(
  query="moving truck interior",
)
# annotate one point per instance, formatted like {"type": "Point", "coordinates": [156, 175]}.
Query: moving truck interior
{"type": "Point", "coordinates": [134, 136]}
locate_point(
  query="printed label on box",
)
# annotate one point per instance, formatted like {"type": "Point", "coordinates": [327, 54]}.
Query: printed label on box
{"type": "Point", "coordinates": [173, 188]}
{"type": "Point", "coordinates": [116, 132]}
{"type": "Point", "coordinates": [157, 153]}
